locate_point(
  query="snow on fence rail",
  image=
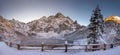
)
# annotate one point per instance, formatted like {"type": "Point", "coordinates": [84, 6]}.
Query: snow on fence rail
{"type": "Point", "coordinates": [89, 47]}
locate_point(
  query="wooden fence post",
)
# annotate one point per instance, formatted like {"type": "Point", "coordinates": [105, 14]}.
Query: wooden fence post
{"type": "Point", "coordinates": [66, 48]}
{"type": "Point", "coordinates": [10, 44]}
{"type": "Point", "coordinates": [119, 43]}
{"type": "Point", "coordinates": [86, 49]}
{"type": "Point", "coordinates": [7, 43]}
{"type": "Point", "coordinates": [111, 45]}
{"type": "Point", "coordinates": [104, 46]}
{"type": "Point", "coordinates": [18, 46]}
{"type": "Point", "coordinates": [42, 45]}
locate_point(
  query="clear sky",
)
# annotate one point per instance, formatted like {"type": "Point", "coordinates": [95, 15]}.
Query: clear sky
{"type": "Point", "coordinates": [80, 10]}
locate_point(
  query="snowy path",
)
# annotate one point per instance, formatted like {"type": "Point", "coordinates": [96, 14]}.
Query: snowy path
{"type": "Point", "coordinates": [6, 50]}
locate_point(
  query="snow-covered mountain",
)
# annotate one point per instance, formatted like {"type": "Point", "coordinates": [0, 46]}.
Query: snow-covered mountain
{"type": "Point", "coordinates": [57, 26]}
{"type": "Point", "coordinates": [45, 27]}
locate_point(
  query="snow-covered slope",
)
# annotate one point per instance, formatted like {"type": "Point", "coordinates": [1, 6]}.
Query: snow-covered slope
{"type": "Point", "coordinates": [78, 34]}
{"type": "Point", "coordinates": [110, 34]}
{"type": "Point", "coordinates": [111, 31]}
{"type": "Point", "coordinates": [6, 50]}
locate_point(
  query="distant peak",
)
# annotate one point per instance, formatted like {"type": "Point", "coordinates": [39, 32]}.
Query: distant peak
{"type": "Point", "coordinates": [113, 18]}
{"type": "Point", "coordinates": [44, 17]}
{"type": "Point", "coordinates": [75, 22]}
{"type": "Point", "coordinates": [1, 17]}
{"type": "Point", "coordinates": [59, 15]}
{"type": "Point", "coordinates": [13, 19]}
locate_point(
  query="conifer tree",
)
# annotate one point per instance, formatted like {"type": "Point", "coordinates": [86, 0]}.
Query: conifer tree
{"type": "Point", "coordinates": [96, 26]}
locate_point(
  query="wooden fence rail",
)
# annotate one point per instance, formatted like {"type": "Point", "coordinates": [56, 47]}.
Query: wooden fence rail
{"type": "Point", "coordinates": [88, 47]}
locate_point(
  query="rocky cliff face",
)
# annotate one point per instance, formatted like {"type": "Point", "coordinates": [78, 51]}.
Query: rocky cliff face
{"type": "Point", "coordinates": [6, 29]}
{"type": "Point", "coordinates": [55, 23]}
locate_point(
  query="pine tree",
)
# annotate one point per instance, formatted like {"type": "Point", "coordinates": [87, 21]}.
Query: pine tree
{"type": "Point", "coordinates": [96, 26]}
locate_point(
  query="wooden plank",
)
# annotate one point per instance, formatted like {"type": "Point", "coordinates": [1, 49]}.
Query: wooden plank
{"type": "Point", "coordinates": [53, 49]}
{"type": "Point", "coordinates": [30, 44]}
{"type": "Point", "coordinates": [94, 44]}
{"type": "Point", "coordinates": [94, 48]}
{"type": "Point", "coordinates": [64, 49]}
{"type": "Point", "coordinates": [54, 44]}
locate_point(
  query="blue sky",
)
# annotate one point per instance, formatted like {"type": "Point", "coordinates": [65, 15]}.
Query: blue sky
{"type": "Point", "coordinates": [80, 10]}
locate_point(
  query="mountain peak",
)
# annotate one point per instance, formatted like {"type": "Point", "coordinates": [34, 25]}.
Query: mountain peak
{"type": "Point", "coordinates": [113, 18]}
{"type": "Point", "coordinates": [44, 17]}
{"type": "Point", "coordinates": [59, 15]}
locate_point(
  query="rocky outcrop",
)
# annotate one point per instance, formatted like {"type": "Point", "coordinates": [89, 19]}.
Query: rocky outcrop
{"type": "Point", "coordinates": [55, 23]}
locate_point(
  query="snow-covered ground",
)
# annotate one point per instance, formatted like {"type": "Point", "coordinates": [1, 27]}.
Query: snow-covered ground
{"type": "Point", "coordinates": [6, 50]}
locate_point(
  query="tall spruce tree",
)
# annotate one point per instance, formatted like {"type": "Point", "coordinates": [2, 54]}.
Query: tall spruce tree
{"type": "Point", "coordinates": [96, 26]}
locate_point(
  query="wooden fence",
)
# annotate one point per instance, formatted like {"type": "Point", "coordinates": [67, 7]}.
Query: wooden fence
{"type": "Point", "coordinates": [89, 47]}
